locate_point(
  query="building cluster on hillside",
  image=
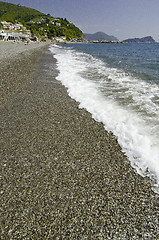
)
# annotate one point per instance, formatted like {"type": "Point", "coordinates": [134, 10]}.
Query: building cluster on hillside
{"type": "Point", "coordinates": [15, 32]}
{"type": "Point", "coordinates": [15, 27]}
{"type": "Point", "coordinates": [42, 20]}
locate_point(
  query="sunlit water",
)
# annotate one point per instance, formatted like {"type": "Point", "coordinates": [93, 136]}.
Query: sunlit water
{"type": "Point", "coordinates": [119, 85]}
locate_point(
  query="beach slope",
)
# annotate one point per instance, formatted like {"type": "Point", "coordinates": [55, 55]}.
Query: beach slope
{"type": "Point", "coordinates": [62, 175]}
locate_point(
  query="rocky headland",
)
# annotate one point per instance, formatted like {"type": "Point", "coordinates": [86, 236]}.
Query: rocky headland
{"type": "Point", "coordinates": [148, 39]}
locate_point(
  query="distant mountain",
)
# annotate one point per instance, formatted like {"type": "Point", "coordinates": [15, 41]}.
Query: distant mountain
{"type": "Point", "coordinates": [99, 36]}
{"type": "Point", "coordinates": [147, 39]}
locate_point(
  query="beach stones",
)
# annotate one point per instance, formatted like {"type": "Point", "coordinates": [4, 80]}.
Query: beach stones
{"type": "Point", "coordinates": [63, 176]}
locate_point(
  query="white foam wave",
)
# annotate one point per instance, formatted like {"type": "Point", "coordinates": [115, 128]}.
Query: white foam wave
{"type": "Point", "coordinates": [123, 104]}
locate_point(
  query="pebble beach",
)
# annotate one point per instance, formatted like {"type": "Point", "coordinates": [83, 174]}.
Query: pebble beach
{"type": "Point", "coordinates": [62, 175]}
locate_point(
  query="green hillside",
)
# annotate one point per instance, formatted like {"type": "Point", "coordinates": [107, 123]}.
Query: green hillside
{"type": "Point", "coordinates": [11, 12]}
{"type": "Point", "coordinates": [39, 23]}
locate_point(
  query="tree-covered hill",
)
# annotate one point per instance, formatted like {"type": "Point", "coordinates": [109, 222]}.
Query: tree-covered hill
{"type": "Point", "coordinates": [11, 12]}
{"type": "Point", "coordinates": [39, 23]}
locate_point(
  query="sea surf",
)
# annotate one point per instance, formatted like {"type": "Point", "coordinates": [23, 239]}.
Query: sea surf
{"type": "Point", "coordinates": [119, 85]}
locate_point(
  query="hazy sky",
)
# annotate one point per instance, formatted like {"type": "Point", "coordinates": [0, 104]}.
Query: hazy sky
{"type": "Point", "coordinates": [121, 18]}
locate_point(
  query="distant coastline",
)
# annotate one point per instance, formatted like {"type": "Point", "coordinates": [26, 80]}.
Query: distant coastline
{"type": "Point", "coordinates": [101, 37]}
{"type": "Point", "coordinates": [147, 39]}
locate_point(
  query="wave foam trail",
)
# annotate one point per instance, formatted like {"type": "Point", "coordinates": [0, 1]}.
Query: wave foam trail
{"type": "Point", "coordinates": [123, 104]}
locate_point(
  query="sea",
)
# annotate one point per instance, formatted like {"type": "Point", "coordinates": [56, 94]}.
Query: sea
{"type": "Point", "coordinates": [119, 85]}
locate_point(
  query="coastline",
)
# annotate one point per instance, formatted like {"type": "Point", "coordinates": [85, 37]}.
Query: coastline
{"type": "Point", "coordinates": [63, 176]}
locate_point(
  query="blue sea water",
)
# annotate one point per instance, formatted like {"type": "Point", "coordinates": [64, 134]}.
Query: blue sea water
{"type": "Point", "coordinates": [119, 85]}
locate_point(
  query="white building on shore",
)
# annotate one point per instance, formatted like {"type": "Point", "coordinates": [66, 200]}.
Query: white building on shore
{"type": "Point", "coordinates": [13, 36]}
{"type": "Point", "coordinates": [60, 39]}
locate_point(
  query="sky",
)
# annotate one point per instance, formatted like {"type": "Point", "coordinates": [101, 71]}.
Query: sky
{"type": "Point", "coordinates": [120, 18]}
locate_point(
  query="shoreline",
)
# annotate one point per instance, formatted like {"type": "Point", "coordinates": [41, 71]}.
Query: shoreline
{"type": "Point", "coordinates": [63, 176]}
